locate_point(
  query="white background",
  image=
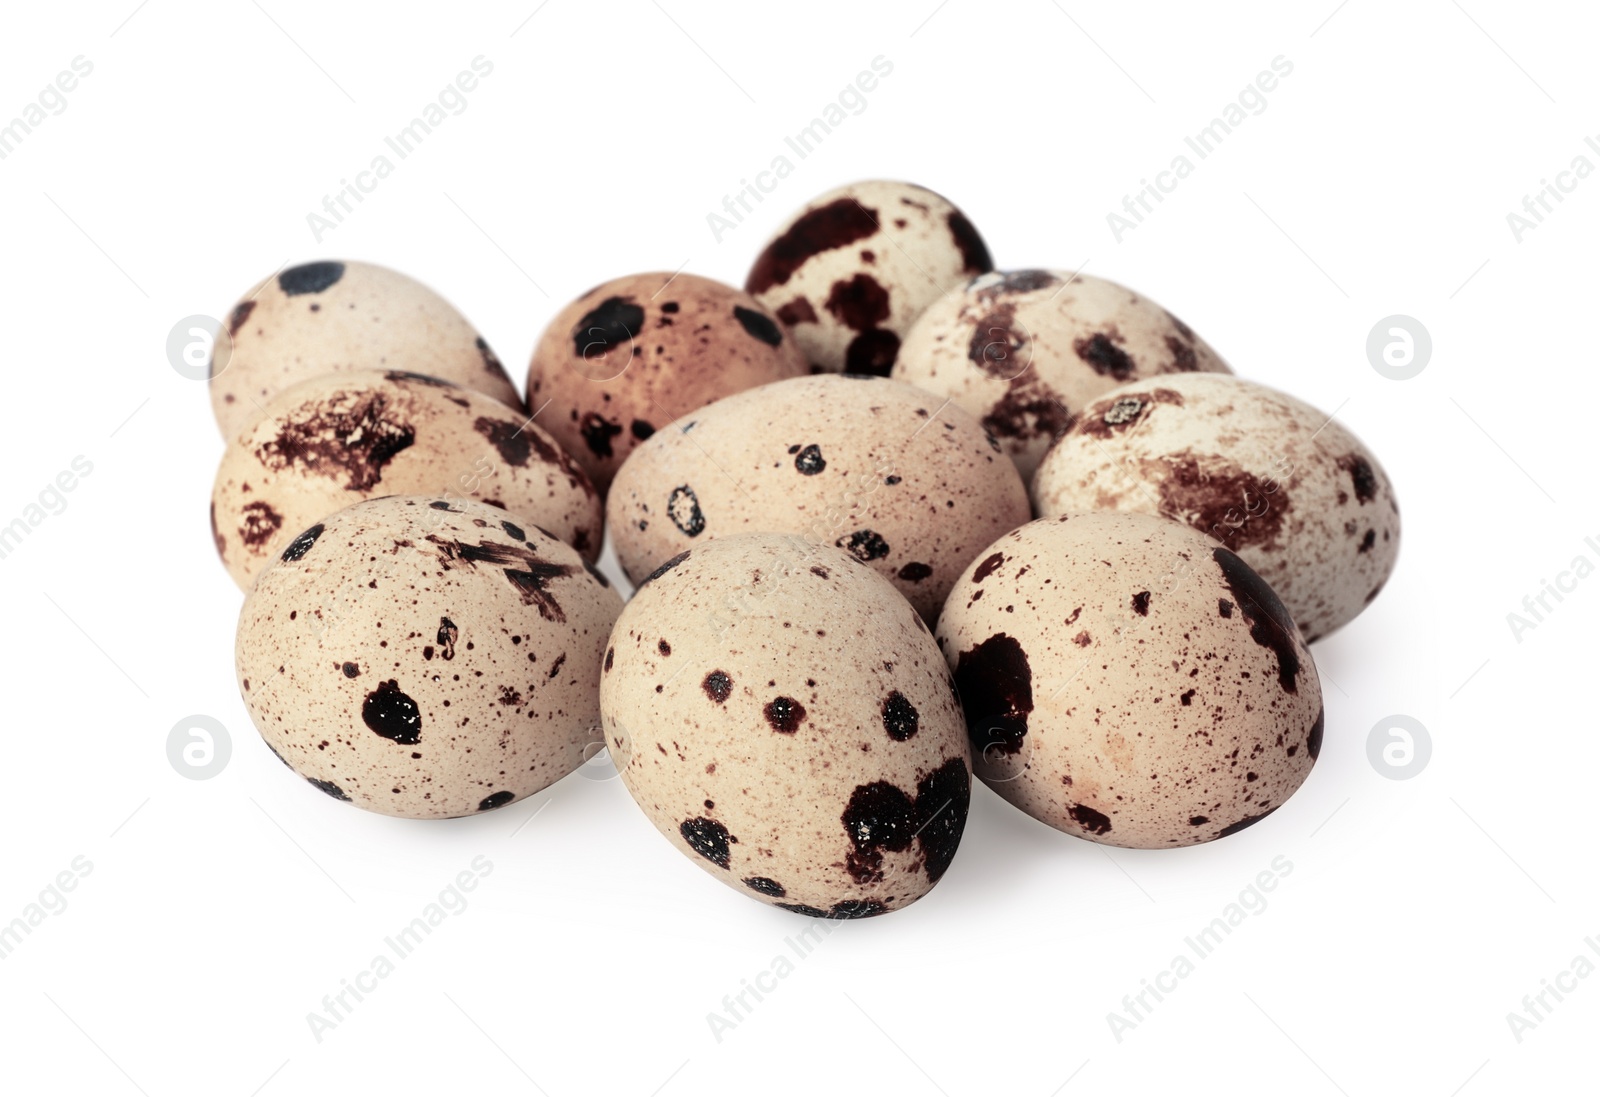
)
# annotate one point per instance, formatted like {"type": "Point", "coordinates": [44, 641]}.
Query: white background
{"type": "Point", "coordinates": [218, 913]}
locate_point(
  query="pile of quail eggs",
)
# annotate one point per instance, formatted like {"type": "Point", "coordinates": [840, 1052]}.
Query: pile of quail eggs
{"type": "Point", "coordinates": [893, 517]}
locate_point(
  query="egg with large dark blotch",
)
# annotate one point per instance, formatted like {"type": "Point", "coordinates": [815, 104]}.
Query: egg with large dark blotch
{"type": "Point", "coordinates": [1128, 680]}
{"type": "Point", "coordinates": [784, 718]}
{"type": "Point", "coordinates": [425, 656]}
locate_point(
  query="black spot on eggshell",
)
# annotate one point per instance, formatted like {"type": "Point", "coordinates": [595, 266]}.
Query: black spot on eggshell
{"type": "Point", "coordinates": [864, 545]}
{"type": "Point", "coordinates": [241, 312]}
{"type": "Point", "coordinates": [663, 647]}
{"type": "Point", "coordinates": [1224, 607]}
{"type": "Point", "coordinates": [309, 278]}
{"type": "Point", "coordinates": [496, 800]}
{"type": "Point", "coordinates": [666, 567]}
{"type": "Point", "coordinates": [1270, 624]}
{"type": "Point", "coordinates": [514, 531]}
{"type": "Point", "coordinates": [899, 717]}
{"type": "Point", "coordinates": [765, 886]}
{"type": "Point", "coordinates": [708, 838]}
{"type": "Point", "coordinates": [597, 433]}
{"type": "Point", "coordinates": [838, 224]}
{"type": "Point", "coordinates": [996, 687]}
{"type": "Point", "coordinates": [259, 523]}
{"type": "Point", "coordinates": [1314, 736]}
{"type": "Point", "coordinates": [1089, 819]}
{"type": "Point", "coordinates": [326, 786]}
{"type": "Point", "coordinates": [810, 461]}
{"type": "Point", "coordinates": [943, 799]}
{"type": "Point", "coordinates": [611, 323]}
{"type": "Point", "coordinates": [641, 429]}
{"type": "Point", "coordinates": [1105, 357]}
{"type": "Point", "coordinates": [392, 714]}
{"type": "Point", "coordinates": [759, 325]}
{"type": "Point", "coordinates": [857, 908]}
{"type": "Point", "coordinates": [611, 657]}
{"type": "Point", "coordinates": [683, 507]}
{"type": "Point", "coordinates": [356, 438]}
{"type": "Point", "coordinates": [801, 908]}
{"type": "Point", "coordinates": [1248, 821]}
{"type": "Point", "coordinates": [878, 817]}
{"type": "Point", "coordinates": [446, 638]}
{"type": "Point", "coordinates": [872, 353]}
{"type": "Point", "coordinates": [1362, 477]}
{"type": "Point", "coordinates": [784, 714]}
{"type": "Point", "coordinates": [915, 572]}
{"type": "Point", "coordinates": [987, 568]}
{"type": "Point", "coordinates": [351, 670]}
{"type": "Point", "coordinates": [718, 686]}
{"type": "Point", "coordinates": [1141, 603]}
{"type": "Point", "coordinates": [974, 252]}
{"type": "Point", "coordinates": [302, 544]}
{"type": "Point", "coordinates": [859, 303]}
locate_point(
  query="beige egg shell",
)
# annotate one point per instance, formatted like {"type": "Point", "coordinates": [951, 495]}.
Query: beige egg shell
{"type": "Point", "coordinates": [328, 317]}
{"type": "Point", "coordinates": [866, 464]}
{"type": "Point", "coordinates": [638, 352]}
{"type": "Point", "coordinates": [786, 720]}
{"type": "Point", "coordinates": [854, 269]}
{"type": "Point", "coordinates": [344, 437]}
{"type": "Point", "coordinates": [425, 657]}
{"type": "Point", "coordinates": [1277, 481]}
{"type": "Point", "coordinates": [1025, 351]}
{"type": "Point", "coordinates": [1130, 681]}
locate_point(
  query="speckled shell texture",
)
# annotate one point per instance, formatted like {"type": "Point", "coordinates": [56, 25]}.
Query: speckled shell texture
{"type": "Point", "coordinates": [869, 465]}
{"type": "Point", "coordinates": [344, 437]}
{"type": "Point", "coordinates": [1130, 681]}
{"type": "Point", "coordinates": [1026, 350]}
{"type": "Point", "coordinates": [426, 657]}
{"type": "Point", "coordinates": [1277, 481]}
{"type": "Point", "coordinates": [786, 720]}
{"type": "Point", "coordinates": [332, 316]}
{"type": "Point", "coordinates": [854, 269]}
{"type": "Point", "coordinates": [635, 353]}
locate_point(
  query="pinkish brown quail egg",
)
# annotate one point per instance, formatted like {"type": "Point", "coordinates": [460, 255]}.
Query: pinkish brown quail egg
{"type": "Point", "coordinates": [331, 316]}
{"type": "Point", "coordinates": [344, 437]}
{"type": "Point", "coordinates": [910, 488]}
{"type": "Point", "coordinates": [636, 353]}
{"type": "Point", "coordinates": [1293, 492]}
{"type": "Point", "coordinates": [852, 271]}
{"type": "Point", "coordinates": [426, 657]}
{"type": "Point", "coordinates": [1128, 680]}
{"type": "Point", "coordinates": [785, 719]}
{"type": "Point", "coordinates": [1025, 351]}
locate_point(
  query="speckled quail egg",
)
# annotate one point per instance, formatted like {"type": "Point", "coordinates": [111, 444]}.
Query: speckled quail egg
{"type": "Point", "coordinates": [880, 469]}
{"type": "Point", "coordinates": [1026, 350]}
{"type": "Point", "coordinates": [1277, 481]}
{"type": "Point", "coordinates": [344, 437]}
{"type": "Point", "coordinates": [852, 270]}
{"type": "Point", "coordinates": [1128, 680]}
{"type": "Point", "coordinates": [638, 352]}
{"type": "Point", "coordinates": [330, 316]}
{"type": "Point", "coordinates": [426, 657]}
{"type": "Point", "coordinates": [785, 719]}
